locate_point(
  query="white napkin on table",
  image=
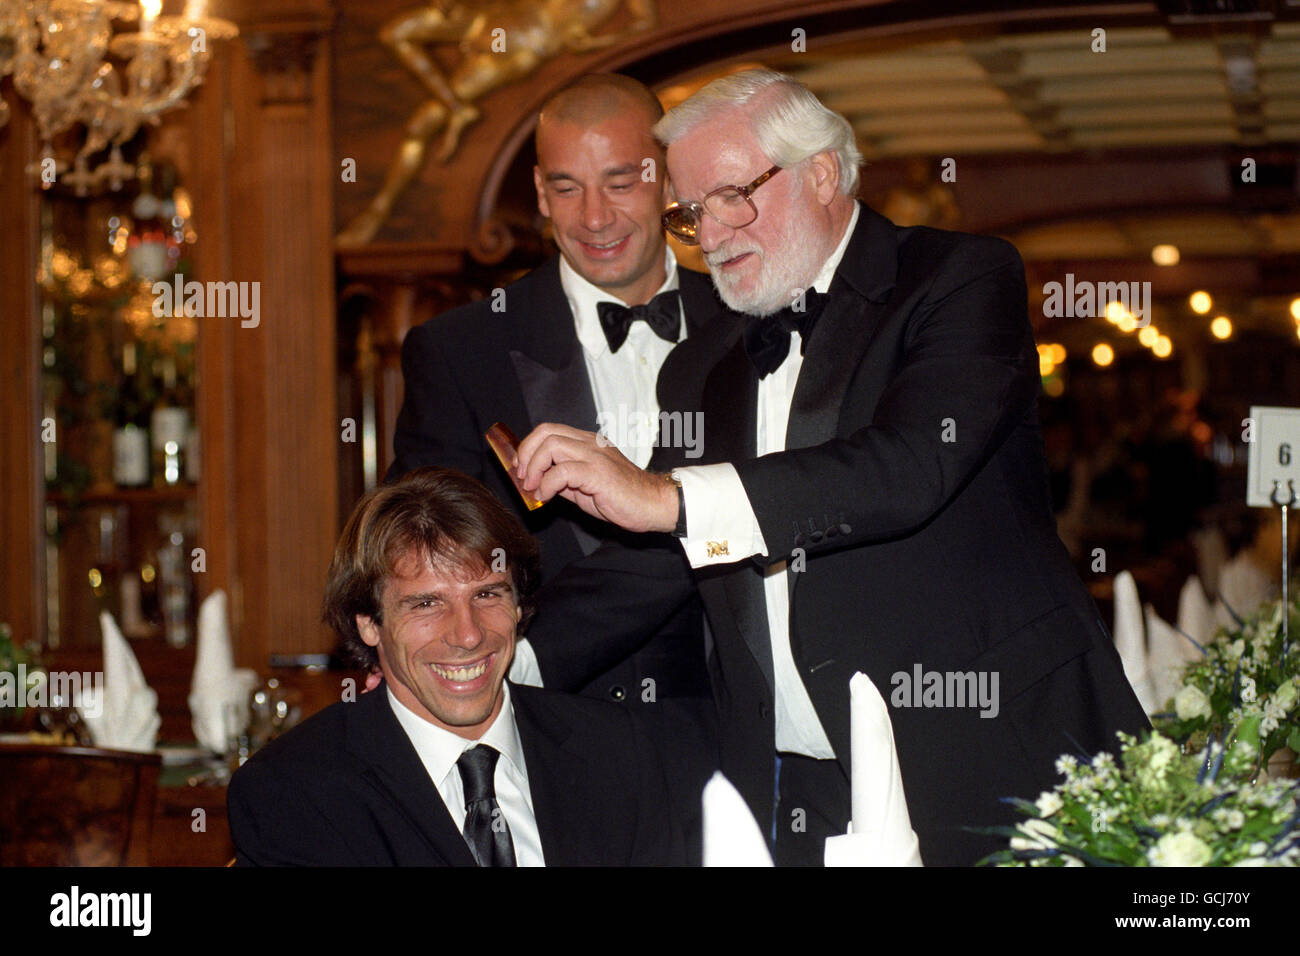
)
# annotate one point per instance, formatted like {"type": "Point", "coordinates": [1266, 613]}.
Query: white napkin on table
{"type": "Point", "coordinates": [1195, 616]}
{"type": "Point", "coordinates": [121, 713]}
{"type": "Point", "coordinates": [880, 832]}
{"type": "Point", "coordinates": [219, 692]}
{"type": "Point", "coordinates": [1168, 653]}
{"type": "Point", "coordinates": [1130, 641]}
{"type": "Point", "coordinates": [731, 834]}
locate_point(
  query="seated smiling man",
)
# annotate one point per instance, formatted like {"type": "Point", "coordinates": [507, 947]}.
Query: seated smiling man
{"type": "Point", "coordinates": [448, 763]}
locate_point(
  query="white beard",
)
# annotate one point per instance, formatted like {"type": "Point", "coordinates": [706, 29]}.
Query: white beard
{"type": "Point", "coordinates": [783, 273]}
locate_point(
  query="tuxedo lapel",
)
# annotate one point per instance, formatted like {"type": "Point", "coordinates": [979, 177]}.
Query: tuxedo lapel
{"type": "Point", "coordinates": [699, 301]}
{"type": "Point", "coordinates": [858, 300]}
{"type": "Point", "coordinates": [563, 815]}
{"type": "Point", "coordinates": [731, 434]}
{"type": "Point", "coordinates": [548, 361]}
{"type": "Point", "coordinates": [377, 740]}
{"type": "Point", "coordinates": [834, 354]}
{"type": "Point", "coordinates": [550, 369]}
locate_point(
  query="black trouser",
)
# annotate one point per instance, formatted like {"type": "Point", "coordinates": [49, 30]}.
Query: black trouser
{"type": "Point", "coordinates": [812, 803]}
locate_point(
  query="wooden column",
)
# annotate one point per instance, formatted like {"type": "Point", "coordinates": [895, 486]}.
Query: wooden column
{"type": "Point", "coordinates": [22, 592]}
{"type": "Point", "coordinates": [271, 428]}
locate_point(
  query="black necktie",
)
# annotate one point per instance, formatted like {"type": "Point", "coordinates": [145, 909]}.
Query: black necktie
{"type": "Point", "coordinates": [767, 339]}
{"type": "Point", "coordinates": [663, 314]}
{"type": "Point", "coordinates": [485, 828]}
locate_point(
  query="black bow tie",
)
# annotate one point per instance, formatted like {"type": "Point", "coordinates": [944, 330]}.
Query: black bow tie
{"type": "Point", "coordinates": [663, 314]}
{"type": "Point", "coordinates": [767, 340]}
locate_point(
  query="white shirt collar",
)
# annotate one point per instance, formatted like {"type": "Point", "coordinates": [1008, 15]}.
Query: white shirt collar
{"type": "Point", "coordinates": [439, 749]}
{"type": "Point", "coordinates": [583, 296]}
{"type": "Point", "coordinates": [823, 281]}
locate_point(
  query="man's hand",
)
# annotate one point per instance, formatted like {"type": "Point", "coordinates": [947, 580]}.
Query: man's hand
{"type": "Point", "coordinates": [592, 473]}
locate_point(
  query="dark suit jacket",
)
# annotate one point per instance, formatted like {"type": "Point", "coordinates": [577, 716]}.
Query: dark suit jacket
{"type": "Point", "coordinates": [471, 367]}
{"type": "Point", "coordinates": [347, 788]}
{"type": "Point", "coordinates": [916, 550]}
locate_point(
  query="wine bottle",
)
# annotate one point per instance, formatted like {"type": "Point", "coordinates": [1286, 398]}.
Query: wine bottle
{"type": "Point", "coordinates": [169, 428]}
{"type": "Point", "coordinates": [147, 247]}
{"type": "Point", "coordinates": [130, 434]}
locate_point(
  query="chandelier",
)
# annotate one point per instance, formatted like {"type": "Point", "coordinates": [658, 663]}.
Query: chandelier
{"type": "Point", "coordinates": [77, 67]}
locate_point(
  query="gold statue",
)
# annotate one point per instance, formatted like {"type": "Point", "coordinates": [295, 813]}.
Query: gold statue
{"type": "Point", "coordinates": [501, 42]}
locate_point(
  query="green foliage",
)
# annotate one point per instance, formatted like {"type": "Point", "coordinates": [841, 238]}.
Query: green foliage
{"type": "Point", "coordinates": [1245, 686]}
{"type": "Point", "coordinates": [1158, 806]}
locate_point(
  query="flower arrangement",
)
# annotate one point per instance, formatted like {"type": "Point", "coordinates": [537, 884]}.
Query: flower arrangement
{"type": "Point", "coordinates": [18, 664]}
{"type": "Point", "coordinates": [1244, 687]}
{"type": "Point", "coordinates": [1158, 806]}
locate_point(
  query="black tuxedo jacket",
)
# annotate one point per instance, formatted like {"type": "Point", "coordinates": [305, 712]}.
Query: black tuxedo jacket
{"type": "Point", "coordinates": [347, 788]}
{"type": "Point", "coordinates": [913, 494]}
{"type": "Point", "coordinates": [471, 367]}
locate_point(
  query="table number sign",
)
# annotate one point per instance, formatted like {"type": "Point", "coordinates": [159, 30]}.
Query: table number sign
{"type": "Point", "coordinates": [1274, 453]}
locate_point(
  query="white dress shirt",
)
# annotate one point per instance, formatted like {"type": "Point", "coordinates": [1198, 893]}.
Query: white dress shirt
{"type": "Point", "coordinates": [623, 387]}
{"type": "Point", "coordinates": [718, 510]}
{"type": "Point", "coordinates": [622, 382]}
{"type": "Point", "coordinates": [439, 750]}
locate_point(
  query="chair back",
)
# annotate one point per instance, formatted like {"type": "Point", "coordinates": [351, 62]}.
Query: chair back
{"type": "Point", "coordinates": [75, 806]}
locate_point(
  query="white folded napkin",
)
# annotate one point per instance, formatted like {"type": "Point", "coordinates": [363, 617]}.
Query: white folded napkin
{"type": "Point", "coordinates": [880, 832]}
{"type": "Point", "coordinates": [1130, 641]}
{"type": "Point", "coordinates": [731, 834]}
{"type": "Point", "coordinates": [1168, 654]}
{"type": "Point", "coordinates": [219, 692]}
{"type": "Point", "coordinates": [1243, 588]}
{"type": "Point", "coordinates": [121, 713]}
{"type": "Point", "coordinates": [1195, 617]}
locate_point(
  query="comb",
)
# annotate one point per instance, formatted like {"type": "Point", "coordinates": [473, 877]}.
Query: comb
{"type": "Point", "coordinates": [504, 444]}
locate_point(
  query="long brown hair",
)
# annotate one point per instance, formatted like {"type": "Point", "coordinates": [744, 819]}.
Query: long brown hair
{"type": "Point", "coordinates": [439, 515]}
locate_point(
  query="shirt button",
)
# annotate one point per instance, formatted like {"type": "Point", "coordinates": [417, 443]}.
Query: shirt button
{"type": "Point", "coordinates": [762, 709]}
{"type": "Point", "coordinates": [617, 692]}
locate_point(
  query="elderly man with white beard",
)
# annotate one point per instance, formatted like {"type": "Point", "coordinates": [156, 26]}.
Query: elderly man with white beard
{"type": "Point", "coordinates": [872, 493]}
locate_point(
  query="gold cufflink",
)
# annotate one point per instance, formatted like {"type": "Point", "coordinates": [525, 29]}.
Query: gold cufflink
{"type": "Point", "coordinates": [714, 549]}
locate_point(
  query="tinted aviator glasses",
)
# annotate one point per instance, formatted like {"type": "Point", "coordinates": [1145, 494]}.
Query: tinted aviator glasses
{"type": "Point", "coordinates": [729, 205]}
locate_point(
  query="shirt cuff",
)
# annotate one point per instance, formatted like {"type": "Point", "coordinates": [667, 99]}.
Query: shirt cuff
{"type": "Point", "coordinates": [720, 523]}
{"type": "Point", "coordinates": [524, 668]}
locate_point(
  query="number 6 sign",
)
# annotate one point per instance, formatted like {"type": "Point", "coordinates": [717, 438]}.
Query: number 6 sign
{"type": "Point", "coordinates": [1272, 453]}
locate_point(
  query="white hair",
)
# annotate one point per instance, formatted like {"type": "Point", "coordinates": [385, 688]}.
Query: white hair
{"type": "Point", "coordinates": [788, 121]}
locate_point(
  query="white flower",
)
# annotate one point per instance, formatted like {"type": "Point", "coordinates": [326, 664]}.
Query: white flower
{"type": "Point", "coordinates": [1048, 803]}
{"type": "Point", "coordinates": [1234, 650]}
{"type": "Point", "coordinates": [1038, 835]}
{"type": "Point", "coordinates": [1191, 702]}
{"type": "Point", "coordinates": [1179, 849]}
{"type": "Point", "coordinates": [1258, 848]}
{"type": "Point", "coordinates": [1065, 764]}
{"type": "Point", "coordinates": [1235, 819]}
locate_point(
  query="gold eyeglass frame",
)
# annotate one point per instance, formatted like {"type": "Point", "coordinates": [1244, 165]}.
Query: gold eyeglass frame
{"type": "Point", "coordinates": [698, 209]}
